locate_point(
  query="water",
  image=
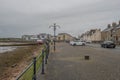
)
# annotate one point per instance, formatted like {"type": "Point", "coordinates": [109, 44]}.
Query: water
{"type": "Point", "coordinates": [5, 49]}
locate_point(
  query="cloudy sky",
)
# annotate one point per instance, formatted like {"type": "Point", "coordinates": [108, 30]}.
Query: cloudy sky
{"type": "Point", "coordinates": [19, 17]}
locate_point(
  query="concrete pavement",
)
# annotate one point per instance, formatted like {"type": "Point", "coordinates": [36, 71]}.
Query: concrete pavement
{"type": "Point", "coordinates": [68, 63]}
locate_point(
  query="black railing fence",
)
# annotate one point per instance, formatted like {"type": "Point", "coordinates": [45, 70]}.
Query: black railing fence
{"type": "Point", "coordinates": [38, 63]}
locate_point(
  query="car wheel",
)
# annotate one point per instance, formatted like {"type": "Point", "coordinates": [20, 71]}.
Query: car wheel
{"type": "Point", "coordinates": [83, 44]}
{"type": "Point", "coordinates": [102, 46]}
{"type": "Point", "coordinates": [74, 44]}
{"type": "Point", "coordinates": [113, 46]}
{"type": "Point", "coordinates": [105, 46]}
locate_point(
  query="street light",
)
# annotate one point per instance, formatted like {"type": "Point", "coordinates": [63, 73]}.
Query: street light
{"type": "Point", "coordinates": [54, 26]}
{"type": "Point", "coordinates": [111, 31]}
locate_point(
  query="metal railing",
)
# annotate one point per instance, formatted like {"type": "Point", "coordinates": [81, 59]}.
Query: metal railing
{"type": "Point", "coordinates": [38, 62]}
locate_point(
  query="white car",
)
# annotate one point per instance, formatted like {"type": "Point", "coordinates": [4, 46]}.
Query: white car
{"type": "Point", "coordinates": [77, 43]}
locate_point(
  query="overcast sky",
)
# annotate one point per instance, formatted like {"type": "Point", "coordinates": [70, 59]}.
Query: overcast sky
{"type": "Point", "coordinates": [19, 17]}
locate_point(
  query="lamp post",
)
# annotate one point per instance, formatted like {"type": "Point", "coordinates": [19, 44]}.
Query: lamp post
{"type": "Point", "coordinates": [112, 32]}
{"type": "Point", "coordinates": [54, 26]}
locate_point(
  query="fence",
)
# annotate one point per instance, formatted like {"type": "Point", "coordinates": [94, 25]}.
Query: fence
{"type": "Point", "coordinates": [30, 72]}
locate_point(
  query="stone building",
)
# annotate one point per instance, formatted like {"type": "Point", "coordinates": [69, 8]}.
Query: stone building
{"type": "Point", "coordinates": [116, 34]}
{"type": "Point", "coordinates": [107, 33]}
{"type": "Point", "coordinates": [29, 37]}
{"type": "Point", "coordinates": [112, 32]}
{"type": "Point", "coordinates": [42, 36]}
{"type": "Point", "coordinates": [64, 37]}
{"type": "Point", "coordinates": [94, 35]}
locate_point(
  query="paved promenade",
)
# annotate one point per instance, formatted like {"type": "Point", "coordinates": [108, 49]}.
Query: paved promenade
{"type": "Point", "coordinates": [68, 63]}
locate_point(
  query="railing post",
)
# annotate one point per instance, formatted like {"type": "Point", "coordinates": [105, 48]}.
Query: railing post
{"type": "Point", "coordinates": [46, 56]}
{"type": "Point", "coordinates": [54, 46]}
{"type": "Point", "coordinates": [48, 49]}
{"type": "Point", "coordinates": [34, 70]}
{"type": "Point", "coordinates": [47, 52]}
{"type": "Point", "coordinates": [42, 62]}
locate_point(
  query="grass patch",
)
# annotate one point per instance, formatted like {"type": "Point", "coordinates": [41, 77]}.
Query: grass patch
{"type": "Point", "coordinates": [28, 75]}
{"type": "Point", "coordinates": [13, 58]}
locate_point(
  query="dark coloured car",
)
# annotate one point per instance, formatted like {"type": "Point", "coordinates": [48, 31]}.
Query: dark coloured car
{"type": "Point", "coordinates": [108, 44]}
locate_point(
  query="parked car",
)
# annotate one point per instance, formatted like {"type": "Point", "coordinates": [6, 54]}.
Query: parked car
{"type": "Point", "coordinates": [40, 41]}
{"type": "Point", "coordinates": [88, 42]}
{"type": "Point", "coordinates": [108, 44]}
{"type": "Point", "coordinates": [77, 43]}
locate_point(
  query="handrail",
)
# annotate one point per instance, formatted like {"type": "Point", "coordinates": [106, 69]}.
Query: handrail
{"type": "Point", "coordinates": [36, 63]}
{"type": "Point", "coordinates": [24, 71]}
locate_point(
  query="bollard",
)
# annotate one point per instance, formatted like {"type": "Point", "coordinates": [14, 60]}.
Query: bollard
{"type": "Point", "coordinates": [87, 58]}
{"type": "Point", "coordinates": [34, 70]}
{"type": "Point", "coordinates": [42, 62]}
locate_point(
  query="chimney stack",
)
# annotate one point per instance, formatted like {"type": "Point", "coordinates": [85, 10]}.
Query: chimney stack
{"type": "Point", "coordinates": [109, 25]}
{"type": "Point", "coordinates": [114, 24]}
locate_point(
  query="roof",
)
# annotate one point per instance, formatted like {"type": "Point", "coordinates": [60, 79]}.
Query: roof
{"type": "Point", "coordinates": [112, 28]}
{"type": "Point", "coordinates": [64, 34]}
{"type": "Point", "coordinates": [107, 29]}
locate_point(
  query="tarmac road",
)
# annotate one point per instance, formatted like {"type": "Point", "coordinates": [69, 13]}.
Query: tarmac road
{"type": "Point", "coordinates": [98, 46]}
{"type": "Point", "coordinates": [68, 63]}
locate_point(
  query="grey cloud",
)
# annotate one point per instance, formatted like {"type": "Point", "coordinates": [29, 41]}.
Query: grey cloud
{"type": "Point", "coordinates": [74, 16]}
